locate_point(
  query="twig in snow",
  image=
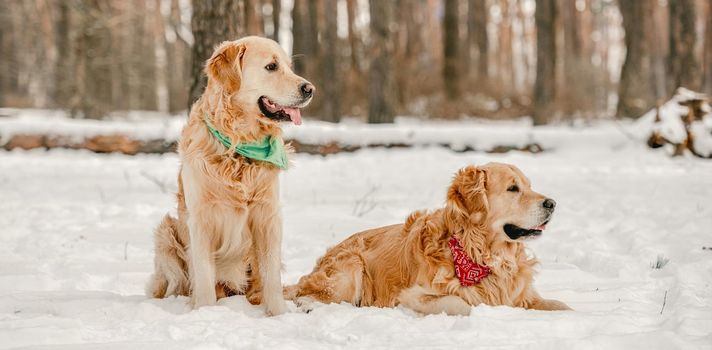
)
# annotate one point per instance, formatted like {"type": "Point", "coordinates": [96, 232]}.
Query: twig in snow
{"type": "Point", "coordinates": [366, 203]}
{"type": "Point", "coordinates": [664, 301]}
{"type": "Point", "coordinates": [660, 262]}
{"type": "Point", "coordinates": [161, 184]}
{"type": "Point", "coordinates": [126, 250]}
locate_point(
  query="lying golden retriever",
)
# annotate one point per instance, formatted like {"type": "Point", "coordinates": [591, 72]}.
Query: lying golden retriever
{"type": "Point", "coordinates": [227, 237]}
{"type": "Point", "coordinates": [468, 253]}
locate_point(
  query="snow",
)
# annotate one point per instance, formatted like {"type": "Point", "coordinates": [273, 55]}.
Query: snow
{"type": "Point", "coordinates": [76, 248]}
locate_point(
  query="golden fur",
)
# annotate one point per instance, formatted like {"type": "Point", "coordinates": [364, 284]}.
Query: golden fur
{"type": "Point", "coordinates": [227, 236]}
{"type": "Point", "coordinates": [411, 264]}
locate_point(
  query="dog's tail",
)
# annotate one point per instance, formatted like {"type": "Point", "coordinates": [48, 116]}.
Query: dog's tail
{"type": "Point", "coordinates": [171, 264]}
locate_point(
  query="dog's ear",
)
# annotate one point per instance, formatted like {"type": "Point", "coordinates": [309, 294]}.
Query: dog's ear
{"type": "Point", "coordinates": [467, 195]}
{"type": "Point", "coordinates": [225, 65]}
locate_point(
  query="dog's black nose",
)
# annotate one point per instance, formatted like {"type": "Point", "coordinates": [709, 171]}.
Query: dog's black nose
{"type": "Point", "coordinates": [307, 90]}
{"type": "Point", "coordinates": [549, 204]}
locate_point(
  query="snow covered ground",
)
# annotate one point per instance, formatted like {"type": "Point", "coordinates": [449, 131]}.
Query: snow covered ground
{"type": "Point", "coordinates": [76, 251]}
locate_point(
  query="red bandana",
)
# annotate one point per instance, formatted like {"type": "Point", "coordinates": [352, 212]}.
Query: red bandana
{"type": "Point", "coordinates": [468, 271]}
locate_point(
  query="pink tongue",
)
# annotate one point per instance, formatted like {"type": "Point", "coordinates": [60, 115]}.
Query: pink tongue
{"type": "Point", "coordinates": [540, 227]}
{"type": "Point", "coordinates": [295, 114]}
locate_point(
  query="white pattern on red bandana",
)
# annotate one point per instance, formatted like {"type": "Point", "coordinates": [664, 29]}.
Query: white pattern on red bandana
{"type": "Point", "coordinates": [468, 271]}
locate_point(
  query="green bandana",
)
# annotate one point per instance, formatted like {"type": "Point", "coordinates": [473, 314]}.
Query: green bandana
{"type": "Point", "coordinates": [270, 149]}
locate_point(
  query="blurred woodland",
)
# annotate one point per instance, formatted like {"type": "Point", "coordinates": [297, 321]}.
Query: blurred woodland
{"type": "Point", "coordinates": [551, 59]}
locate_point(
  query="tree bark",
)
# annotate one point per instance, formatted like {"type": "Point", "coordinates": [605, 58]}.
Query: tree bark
{"type": "Point", "coordinates": [505, 70]}
{"type": "Point", "coordinates": [684, 65]}
{"type": "Point", "coordinates": [276, 11]}
{"type": "Point", "coordinates": [452, 68]}
{"type": "Point", "coordinates": [178, 60]}
{"type": "Point", "coordinates": [160, 58]}
{"type": "Point", "coordinates": [354, 39]}
{"type": "Point", "coordinates": [708, 50]}
{"type": "Point", "coordinates": [636, 90]}
{"type": "Point", "coordinates": [329, 58]}
{"type": "Point", "coordinates": [545, 84]}
{"type": "Point", "coordinates": [63, 85]}
{"type": "Point", "coordinates": [253, 17]}
{"type": "Point", "coordinates": [381, 93]}
{"type": "Point", "coordinates": [213, 22]}
{"type": "Point", "coordinates": [303, 44]}
{"type": "Point", "coordinates": [477, 36]}
{"type": "Point", "coordinates": [93, 50]}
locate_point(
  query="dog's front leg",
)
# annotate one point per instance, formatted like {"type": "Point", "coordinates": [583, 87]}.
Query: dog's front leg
{"type": "Point", "coordinates": [266, 228]}
{"type": "Point", "coordinates": [200, 250]}
{"type": "Point", "coordinates": [428, 301]}
{"type": "Point", "coordinates": [202, 266]}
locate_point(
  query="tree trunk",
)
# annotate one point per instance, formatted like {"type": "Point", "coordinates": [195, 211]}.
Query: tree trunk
{"type": "Point", "coordinates": [213, 22]}
{"type": "Point", "coordinates": [636, 90]}
{"type": "Point", "coordinates": [303, 45]}
{"type": "Point", "coordinates": [354, 40]}
{"type": "Point", "coordinates": [708, 50]}
{"type": "Point", "coordinates": [477, 36]}
{"type": "Point", "coordinates": [684, 66]}
{"type": "Point", "coordinates": [63, 85]}
{"type": "Point", "coordinates": [160, 58]}
{"type": "Point", "coordinates": [381, 92]}
{"type": "Point", "coordinates": [276, 12]}
{"type": "Point", "coordinates": [93, 50]}
{"type": "Point", "coordinates": [505, 69]}
{"type": "Point", "coordinates": [253, 17]}
{"type": "Point", "coordinates": [545, 85]}
{"type": "Point", "coordinates": [329, 57]}
{"type": "Point", "coordinates": [178, 60]}
{"type": "Point", "coordinates": [451, 37]}
{"type": "Point", "coordinates": [147, 65]}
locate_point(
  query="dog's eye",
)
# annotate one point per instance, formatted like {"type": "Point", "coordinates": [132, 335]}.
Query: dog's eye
{"type": "Point", "coordinates": [271, 67]}
{"type": "Point", "coordinates": [513, 188]}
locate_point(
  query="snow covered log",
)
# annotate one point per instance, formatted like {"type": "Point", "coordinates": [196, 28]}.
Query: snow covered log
{"type": "Point", "coordinates": [683, 123]}
{"type": "Point", "coordinates": [150, 132]}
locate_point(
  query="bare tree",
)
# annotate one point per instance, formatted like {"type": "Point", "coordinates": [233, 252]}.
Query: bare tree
{"type": "Point", "coordinates": [477, 15]}
{"type": "Point", "coordinates": [708, 49]}
{"type": "Point", "coordinates": [684, 65]}
{"type": "Point", "coordinates": [451, 37]}
{"type": "Point", "coordinates": [505, 70]}
{"type": "Point", "coordinates": [253, 17]}
{"type": "Point", "coordinates": [303, 33]}
{"type": "Point", "coordinates": [178, 60]}
{"type": "Point", "coordinates": [160, 59]}
{"type": "Point", "coordinates": [330, 83]}
{"type": "Point", "coordinates": [63, 85]}
{"type": "Point", "coordinates": [213, 22]}
{"type": "Point", "coordinates": [93, 50]}
{"type": "Point", "coordinates": [636, 91]}
{"type": "Point", "coordinates": [545, 85]}
{"type": "Point", "coordinates": [354, 40]}
{"type": "Point", "coordinates": [276, 11]}
{"type": "Point", "coordinates": [381, 92]}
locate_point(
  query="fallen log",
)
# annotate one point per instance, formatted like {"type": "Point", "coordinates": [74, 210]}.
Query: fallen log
{"type": "Point", "coordinates": [685, 123]}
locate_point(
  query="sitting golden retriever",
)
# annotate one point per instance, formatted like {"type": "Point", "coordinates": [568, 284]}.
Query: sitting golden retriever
{"type": "Point", "coordinates": [468, 253]}
{"type": "Point", "coordinates": [227, 237]}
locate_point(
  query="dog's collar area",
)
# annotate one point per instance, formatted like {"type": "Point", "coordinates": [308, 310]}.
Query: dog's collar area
{"type": "Point", "coordinates": [466, 270]}
{"type": "Point", "coordinates": [270, 149]}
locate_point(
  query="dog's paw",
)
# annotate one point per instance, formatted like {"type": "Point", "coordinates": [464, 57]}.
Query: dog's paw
{"type": "Point", "coordinates": [198, 302]}
{"type": "Point", "coordinates": [277, 308]}
{"type": "Point", "coordinates": [305, 304]}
